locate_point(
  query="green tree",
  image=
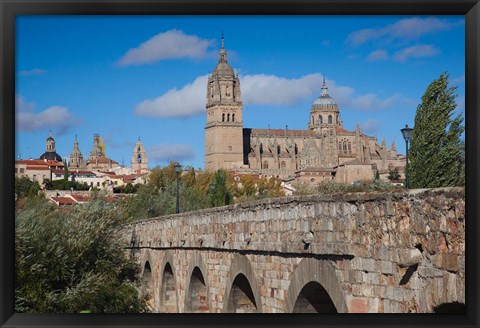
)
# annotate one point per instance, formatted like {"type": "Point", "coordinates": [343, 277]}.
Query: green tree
{"type": "Point", "coordinates": [65, 170]}
{"type": "Point", "coordinates": [26, 188]}
{"type": "Point", "coordinates": [436, 148]}
{"type": "Point", "coordinates": [68, 261]}
{"type": "Point", "coordinates": [393, 175]}
{"type": "Point", "coordinates": [221, 195]}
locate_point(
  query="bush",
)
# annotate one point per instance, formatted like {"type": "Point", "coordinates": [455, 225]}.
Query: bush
{"type": "Point", "coordinates": [73, 261]}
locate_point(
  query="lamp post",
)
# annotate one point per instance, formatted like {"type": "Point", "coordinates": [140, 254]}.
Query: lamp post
{"type": "Point", "coordinates": [407, 134]}
{"type": "Point", "coordinates": [178, 168]}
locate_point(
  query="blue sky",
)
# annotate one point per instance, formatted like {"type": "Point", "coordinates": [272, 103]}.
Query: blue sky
{"type": "Point", "coordinates": [145, 76]}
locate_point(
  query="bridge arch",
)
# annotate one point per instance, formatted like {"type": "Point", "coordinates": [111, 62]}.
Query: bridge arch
{"type": "Point", "coordinates": [168, 294]}
{"type": "Point", "coordinates": [197, 296]}
{"type": "Point", "coordinates": [241, 287]}
{"type": "Point", "coordinates": [315, 287]}
{"type": "Point", "coordinates": [147, 281]}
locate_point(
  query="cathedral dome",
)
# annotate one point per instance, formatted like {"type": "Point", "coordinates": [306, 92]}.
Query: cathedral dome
{"type": "Point", "coordinates": [325, 98]}
{"type": "Point", "coordinates": [51, 156]}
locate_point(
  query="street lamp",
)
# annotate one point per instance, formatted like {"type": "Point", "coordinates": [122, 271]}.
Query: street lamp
{"type": "Point", "coordinates": [178, 168]}
{"type": "Point", "coordinates": [407, 134]}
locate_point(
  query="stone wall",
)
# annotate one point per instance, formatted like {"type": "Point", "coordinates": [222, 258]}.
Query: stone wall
{"type": "Point", "coordinates": [371, 252]}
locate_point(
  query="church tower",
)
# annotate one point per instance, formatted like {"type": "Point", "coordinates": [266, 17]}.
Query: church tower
{"type": "Point", "coordinates": [76, 160]}
{"type": "Point", "coordinates": [325, 120]}
{"type": "Point", "coordinates": [50, 153]}
{"type": "Point", "coordinates": [224, 126]}
{"type": "Point", "coordinates": [139, 158]}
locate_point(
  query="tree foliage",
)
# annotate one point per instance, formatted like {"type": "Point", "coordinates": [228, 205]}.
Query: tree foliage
{"type": "Point", "coordinates": [26, 188]}
{"type": "Point", "coordinates": [73, 261]}
{"type": "Point", "coordinates": [251, 187]}
{"type": "Point", "coordinates": [393, 175]}
{"type": "Point", "coordinates": [435, 154]}
{"type": "Point", "coordinates": [220, 194]}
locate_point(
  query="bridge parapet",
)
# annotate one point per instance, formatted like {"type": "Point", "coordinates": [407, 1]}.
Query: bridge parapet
{"type": "Point", "coordinates": [382, 245]}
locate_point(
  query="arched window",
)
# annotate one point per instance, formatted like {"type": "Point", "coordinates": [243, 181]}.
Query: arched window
{"type": "Point", "coordinates": [228, 117]}
{"type": "Point", "coordinates": [211, 91]}
{"type": "Point", "coordinates": [223, 117]}
{"type": "Point", "coordinates": [233, 117]}
{"type": "Point", "coordinates": [227, 91]}
{"type": "Point", "coordinates": [330, 119]}
{"type": "Point", "coordinates": [349, 147]}
{"type": "Point", "coordinates": [320, 119]}
{"type": "Point", "coordinates": [313, 119]}
{"type": "Point", "coordinates": [265, 165]}
{"type": "Point", "coordinates": [339, 146]}
{"type": "Point", "coordinates": [344, 146]}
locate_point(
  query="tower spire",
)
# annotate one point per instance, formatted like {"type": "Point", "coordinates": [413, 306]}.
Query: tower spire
{"type": "Point", "coordinates": [222, 56]}
{"type": "Point", "coordinates": [324, 87]}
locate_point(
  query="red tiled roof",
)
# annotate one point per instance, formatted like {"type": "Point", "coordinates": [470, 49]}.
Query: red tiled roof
{"type": "Point", "coordinates": [80, 198]}
{"type": "Point", "coordinates": [39, 162]}
{"type": "Point", "coordinates": [64, 200]}
{"type": "Point", "coordinates": [282, 132]}
{"type": "Point", "coordinates": [341, 130]}
{"type": "Point", "coordinates": [102, 160]}
{"type": "Point", "coordinates": [38, 168]}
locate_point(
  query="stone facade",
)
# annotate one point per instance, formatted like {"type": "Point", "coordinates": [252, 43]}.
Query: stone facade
{"type": "Point", "coordinates": [313, 155]}
{"type": "Point", "coordinates": [364, 252]}
{"type": "Point", "coordinates": [76, 160]}
{"type": "Point", "coordinates": [139, 157]}
{"type": "Point", "coordinates": [98, 160]}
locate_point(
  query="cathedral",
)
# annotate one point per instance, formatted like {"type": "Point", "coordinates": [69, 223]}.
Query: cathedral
{"type": "Point", "coordinates": [324, 151]}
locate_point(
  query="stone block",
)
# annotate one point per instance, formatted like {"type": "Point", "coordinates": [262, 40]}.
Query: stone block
{"type": "Point", "coordinates": [386, 267]}
{"type": "Point", "coordinates": [409, 257]}
{"type": "Point", "coordinates": [373, 305]}
{"type": "Point", "coordinates": [357, 304]}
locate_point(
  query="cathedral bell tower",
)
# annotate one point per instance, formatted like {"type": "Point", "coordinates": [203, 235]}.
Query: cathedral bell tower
{"type": "Point", "coordinates": [224, 127]}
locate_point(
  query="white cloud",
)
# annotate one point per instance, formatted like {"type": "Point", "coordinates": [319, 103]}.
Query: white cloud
{"type": "Point", "coordinates": [21, 105]}
{"type": "Point", "coordinates": [417, 51]}
{"type": "Point", "coordinates": [187, 101]}
{"type": "Point", "coordinates": [35, 71]}
{"type": "Point", "coordinates": [260, 89]}
{"type": "Point", "coordinates": [170, 152]}
{"type": "Point", "coordinates": [407, 28]}
{"type": "Point", "coordinates": [377, 55]}
{"type": "Point", "coordinates": [370, 125]}
{"type": "Point", "coordinates": [53, 117]}
{"type": "Point", "coordinates": [167, 45]}
{"type": "Point", "coordinates": [273, 90]}
{"type": "Point", "coordinates": [371, 101]}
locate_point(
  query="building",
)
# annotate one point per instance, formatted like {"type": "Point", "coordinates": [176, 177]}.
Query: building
{"type": "Point", "coordinates": [50, 154]}
{"type": "Point", "coordinates": [139, 157]}
{"type": "Point", "coordinates": [37, 170]}
{"type": "Point", "coordinates": [324, 151]}
{"type": "Point", "coordinates": [97, 159]}
{"type": "Point", "coordinates": [76, 160]}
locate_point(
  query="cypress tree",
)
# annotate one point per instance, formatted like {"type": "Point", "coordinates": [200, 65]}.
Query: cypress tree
{"type": "Point", "coordinates": [436, 148]}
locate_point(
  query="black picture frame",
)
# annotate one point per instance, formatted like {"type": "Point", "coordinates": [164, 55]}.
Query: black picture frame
{"type": "Point", "coordinates": [9, 9]}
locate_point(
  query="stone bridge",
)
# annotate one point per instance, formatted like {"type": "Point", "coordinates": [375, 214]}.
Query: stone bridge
{"type": "Point", "coordinates": [360, 252]}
